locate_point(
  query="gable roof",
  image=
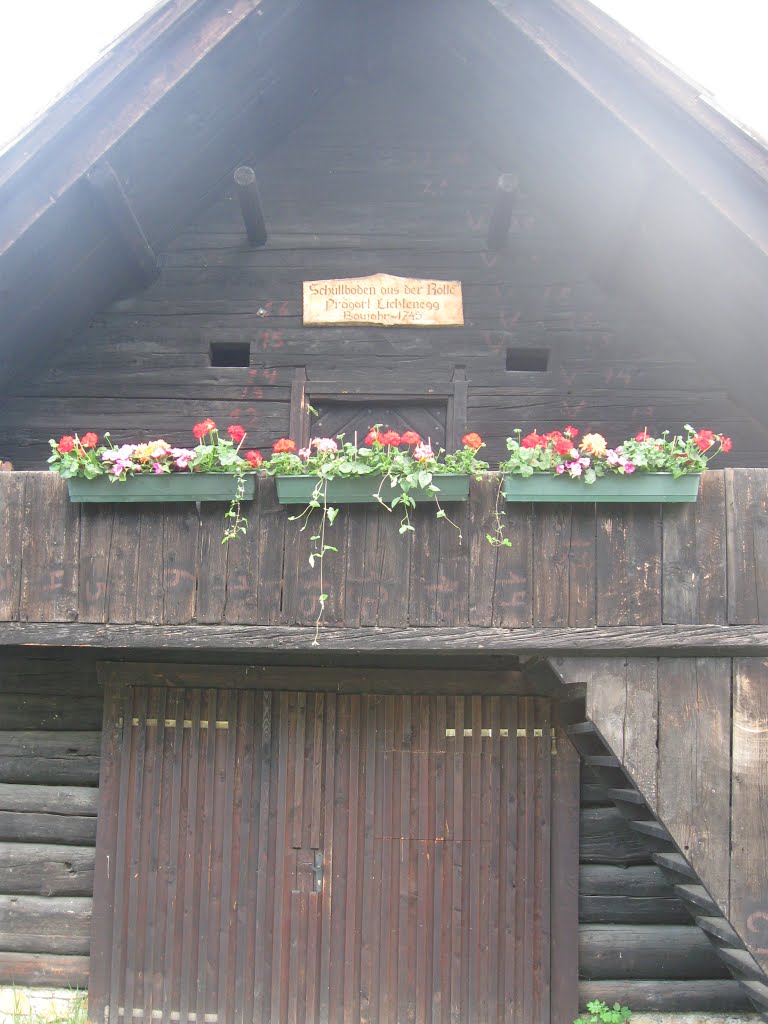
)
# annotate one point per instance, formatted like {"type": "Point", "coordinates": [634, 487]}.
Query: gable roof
{"type": "Point", "coordinates": [167, 109]}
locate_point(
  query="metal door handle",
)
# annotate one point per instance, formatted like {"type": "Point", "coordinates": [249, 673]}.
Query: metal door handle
{"type": "Point", "coordinates": [317, 871]}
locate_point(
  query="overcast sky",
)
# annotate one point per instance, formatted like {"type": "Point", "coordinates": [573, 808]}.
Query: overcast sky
{"type": "Point", "coordinates": [46, 45]}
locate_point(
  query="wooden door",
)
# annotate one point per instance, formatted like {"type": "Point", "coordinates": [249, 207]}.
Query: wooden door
{"type": "Point", "coordinates": [303, 858]}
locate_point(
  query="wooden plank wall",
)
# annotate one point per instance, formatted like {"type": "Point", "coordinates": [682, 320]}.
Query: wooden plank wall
{"type": "Point", "coordinates": [568, 566]}
{"type": "Point", "coordinates": [692, 733]}
{"type": "Point", "coordinates": [50, 739]}
{"type": "Point", "coordinates": [380, 179]}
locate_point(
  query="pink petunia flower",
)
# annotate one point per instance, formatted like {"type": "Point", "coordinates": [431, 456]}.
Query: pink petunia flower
{"type": "Point", "coordinates": [422, 452]}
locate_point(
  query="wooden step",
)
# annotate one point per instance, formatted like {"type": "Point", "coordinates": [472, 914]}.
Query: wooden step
{"type": "Point", "coordinates": [720, 930]}
{"type": "Point", "coordinates": [602, 761]}
{"type": "Point", "coordinates": [757, 992]}
{"type": "Point", "coordinates": [697, 896]}
{"type": "Point", "coordinates": [741, 963]}
{"type": "Point", "coordinates": [651, 828]}
{"type": "Point", "coordinates": [626, 796]}
{"type": "Point", "coordinates": [674, 862]}
{"type": "Point", "coordinates": [582, 729]}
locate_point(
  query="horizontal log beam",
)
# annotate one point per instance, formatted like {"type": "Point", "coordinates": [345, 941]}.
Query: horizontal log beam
{"type": "Point", "coordinates": [693, 641]}
{"type": "Point", "coordinates": [26, 827]}
{"type": "Point", "coordinates": [61, 800]}
{"type": "Point", "coordinates": [719, 996]}
{"type": "Point", "coordinates": [46, 869]}
{"type": "Point", "coordinates": [647, 951]}
{"type": "Point", "coordinates": [44, 969]}
{"type": "Point", "coordinates": [42, 924]}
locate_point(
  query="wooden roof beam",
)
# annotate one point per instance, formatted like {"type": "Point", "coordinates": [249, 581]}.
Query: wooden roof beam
{"type": "Point", "coordinates": [250, 206]}
{"type": "Point", "coordinates": [110, 194]}
{"type": "Point", "coordinates": [146, 75]}
{"type": "Point", "coordinates": [648, 641]}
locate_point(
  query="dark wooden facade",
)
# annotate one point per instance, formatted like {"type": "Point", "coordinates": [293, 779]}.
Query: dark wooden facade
{"type": "Point", "coordinates": [617, 285]}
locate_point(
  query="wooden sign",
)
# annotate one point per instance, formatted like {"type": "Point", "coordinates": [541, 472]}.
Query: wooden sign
{"type": "Point", "coordinates": [385, 300]}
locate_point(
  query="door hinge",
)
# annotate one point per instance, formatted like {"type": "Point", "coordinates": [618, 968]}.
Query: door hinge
{"type": "Point", "coordinates": [553, 741]}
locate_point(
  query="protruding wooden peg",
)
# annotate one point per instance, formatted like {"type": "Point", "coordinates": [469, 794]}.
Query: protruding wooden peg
{"type": "Point", "coordinates": [250, 206]}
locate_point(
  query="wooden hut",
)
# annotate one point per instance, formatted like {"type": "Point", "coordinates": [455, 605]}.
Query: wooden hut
{"type": "Point", "coordinates": [507, 779]}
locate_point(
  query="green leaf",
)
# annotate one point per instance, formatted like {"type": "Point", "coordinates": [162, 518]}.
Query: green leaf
{"type": "Point", "coordinates": [331, 514]}
{"type": "Point", "coordinates": [312, 561]}
{"type": "Point", "coordinates": [440, 514]}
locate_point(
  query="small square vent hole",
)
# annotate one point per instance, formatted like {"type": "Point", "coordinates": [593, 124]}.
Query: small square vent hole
{"type": "Point", "coordinates": [230, 353]}
{"type": "Point", "coordinates": [530, 360]}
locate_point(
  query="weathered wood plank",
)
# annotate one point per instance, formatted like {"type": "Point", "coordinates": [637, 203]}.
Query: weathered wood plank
{"type": "Point", "coordinates": [11, 531]}
{"type": "Point", "coordinates": [60, 800]}
{"type": "Point", "coordinates": [749, 810]}
{"type": "Point", "coordinates": [647, 951]}
{"type": "Point", "coordinates": [690, 996]}
{"type": "Point", "coordinates": [180, 563]}
{"type": "Point", "coordinates": [694, 556]}
{"type": "Point", "coordinates": [49, 711]}
{"type": "Point", "coordinates": [512, 598]}
{"type": "Point", "coordinates": [51, 970]}
{"type": "Point", "coordinates": [608, 880]}
{"type": "Point", "coordinates": [45, 924]}
{"type": "Point", "coordinates": [747, 545]}
{"type": "Point", "coordinates": [34, 827]}
{"type": "Point", "coordinates": [694, 739]}
{"type": "Point", "coordinates": [664, 641]}
{"type": "Point", "coordinates": [51, 758]}
{"type": "Point", "coordinates": [35, 869]}
{"type": "Point", "coordinates": [631, 910]}
{"type": "Point", "coordinates": [641, 726]}
{"type": "Point", "coordinates": [93, 568]}
{"type": "Point", "coordinates": [49, 557]}
{"type": "Point", "coordinates": [605, 838]}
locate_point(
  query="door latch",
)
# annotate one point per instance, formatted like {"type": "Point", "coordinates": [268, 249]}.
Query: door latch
{"type": "Point", "coordinates": [317, 871]}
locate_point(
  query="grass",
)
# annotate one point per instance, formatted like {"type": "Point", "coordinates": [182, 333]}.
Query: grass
{"type": "Point", "coordinates": [76, 1012]}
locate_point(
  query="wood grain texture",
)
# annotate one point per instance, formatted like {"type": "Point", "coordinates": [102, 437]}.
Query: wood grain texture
{"type": "Point", "coordinates": [345, 820]}
{"type": "Point", "coordinates": [694, 771]}
{"type": "Point", "coordinates": [564, 565]}
{"type": "Point", "coordinates": [749, 828]}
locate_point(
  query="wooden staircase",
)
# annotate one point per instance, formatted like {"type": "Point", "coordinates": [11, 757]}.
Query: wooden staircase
{"type": "Point", "coordinates": [664, 852]}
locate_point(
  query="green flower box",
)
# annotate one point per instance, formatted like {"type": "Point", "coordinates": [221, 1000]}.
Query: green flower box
{"type": "Point", "coordinates": [160, 487]}
{"type": "Point", "coordinates": [635, 488]}
{"type": "Point", "coordinates": [360, 490]}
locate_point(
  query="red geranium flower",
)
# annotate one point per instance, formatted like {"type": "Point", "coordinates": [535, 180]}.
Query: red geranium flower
{"type": "Point", "coordinates": [89, 440]}
{"type": "Point", "coordinates": [642, 436]}
{"type": "Point", "coordinates": [704, 439]}
{"type": "Point", "coordinates": [236, 432]}
{"type": "Point", "coordinates": [66, 444]}
{"type": "Point", "coordinates": [390, 437]}
{"type": "Point", "coordinates": [410, 437]}
{"type": "Point", "coordinates": [372, 437]}
{"type": "Point", "coordinates": [284, 444]}
{"type": "Point", "coordinates": [254, 458]}
{"type": "Point", "coordinates": [725, 443]}
{"type": "Point", "coordinates": [571, 432]}
{"type": "Point", "coordinates": [533, 440]}
{"type": "Point", "coordinates": [564, 445]}
{"type": "Point", "coordinates": [204, 427]}
{"type": "Point", "coordinates": [472, 440]}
